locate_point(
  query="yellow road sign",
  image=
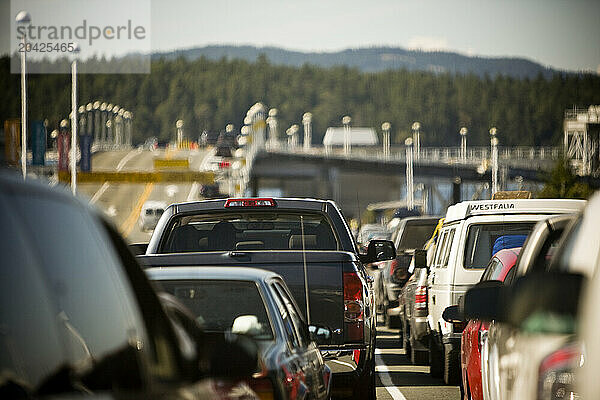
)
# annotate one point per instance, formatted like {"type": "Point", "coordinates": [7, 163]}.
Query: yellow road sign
{"type": "Point", "coordinates": [171, 163]}
{"type": "Point", "coordinates": [139, 177]}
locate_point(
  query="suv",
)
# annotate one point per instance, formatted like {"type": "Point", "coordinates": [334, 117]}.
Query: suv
{"type": "Point", "coordinates": [411, 233]}
{"type": "Point", "coordinates": [413, 304]}
{"type": "Point", "coordinates": [78, 316]}
{"type": "Point", "coordinates": [464, 248]}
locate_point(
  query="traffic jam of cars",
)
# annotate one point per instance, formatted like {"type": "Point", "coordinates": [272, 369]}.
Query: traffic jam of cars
{"type": "Point", "coordinates": [275, 298]}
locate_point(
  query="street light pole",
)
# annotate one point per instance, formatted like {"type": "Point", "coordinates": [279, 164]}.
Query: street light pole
{"type": "Point", "coordinates": [416, 127]}
{"type": "Point", "coordinates": [23, 17]}
{"type": "Point", "coordinates": [179, 126]}
{"type": "Point", "coordinates": [463, 144]}
{"type": "Point", "coordinates": [272, 123]}
{"type": "Point", "coordinates": [347, 140]}
{"type": "Point", "coordinates": [410, 186]}
{"type": "Point", "coordinates": [74, 120]}
{"type": "Point", "coordinates": [307, 122]}
{"type": "Point", "coordinates": [494, 154]}
{"type": "Point", "coordinates": [385, 127]}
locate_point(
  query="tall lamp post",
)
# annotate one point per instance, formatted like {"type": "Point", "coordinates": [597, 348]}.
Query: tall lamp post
{"type": "Point", "coordinates": [23, 17]}
{"type": "Point", "coordinates": [179, 126]}
{"type": "Point", "coordinates": [463, 144]}
{"type": "Point", "coordinates": [416, 127]}
{"type": "Point", "coordinates": [347, 140]}
{"type": "Point", "coordinates": [74, 120]}
{"type": "Point", "coordinates": [272, 123]}
{"type": "Point", "coordinates": [494, 154]}
{"type": "Point", "coordinates": [307, 123]}
{"type": "Point", "coordinates": [385, 127]}
{"type": "Point", "coordinates": [410, 186]}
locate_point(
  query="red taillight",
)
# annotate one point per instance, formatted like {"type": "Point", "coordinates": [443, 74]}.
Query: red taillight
{"type": "Point", "coordinates": [421, 298]}
{"type": "Point", "coordinates": [353, 306]}
{"type": "Point", "coordinates": [393, 266]}
{"type": "Point", "coordinates": [250, 203]}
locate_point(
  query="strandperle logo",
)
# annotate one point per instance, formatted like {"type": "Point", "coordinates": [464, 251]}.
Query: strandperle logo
{"type": "Point", "coordinates": [83, 31]}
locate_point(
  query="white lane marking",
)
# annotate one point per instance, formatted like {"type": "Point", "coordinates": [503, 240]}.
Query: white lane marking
{"type": "Point", "coordinates": [193, 191]}
{"type": "Point", "coordinates": [120, 166]}
{"type": "Point", "coordinates": [99, 193]}
{"type": "Point", "coordinates": [127, 157]}
{"type": "Point", "coordinates": [207, 159]}
{"type": "Point", "coordinates": [386, 379]}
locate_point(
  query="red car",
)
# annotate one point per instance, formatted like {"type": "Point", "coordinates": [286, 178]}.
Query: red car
{"type": "Point", "coordinates": [498, 268]}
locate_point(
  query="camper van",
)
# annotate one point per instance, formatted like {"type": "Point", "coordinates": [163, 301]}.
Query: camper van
{"type": "Point", "coordinates": [472, 232]}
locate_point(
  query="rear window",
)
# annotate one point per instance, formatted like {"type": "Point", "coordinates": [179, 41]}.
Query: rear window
{"type": "Point", "coordinates": [217, 303]}
{"type": "Point", "coordinates": [415, 236]}
{"type": "Point", "coordinates": [250, 231]}
{"type": "Point", "coordinates": [481, 239]}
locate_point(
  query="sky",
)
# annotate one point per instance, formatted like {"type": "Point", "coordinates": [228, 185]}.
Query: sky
{"type": "Point", "coordinates": [563, 34]}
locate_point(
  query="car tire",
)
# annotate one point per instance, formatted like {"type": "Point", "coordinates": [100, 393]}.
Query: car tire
{"type": "Point", "coordinates": [406, 340]}
{"type": "Point", "coordinates": [418, 357]}
{"type": "Point", "coordinates": [451, 366]}
{"type": "Point", "coordinates": [436, 362]}
{"type": "Point", "coordinates": [368, 384]}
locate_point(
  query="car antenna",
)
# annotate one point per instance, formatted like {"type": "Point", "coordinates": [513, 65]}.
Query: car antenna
{"type": "Point", "coordinates": [305, 272]}
{"type": "Point", "coordinates": [358, 211]}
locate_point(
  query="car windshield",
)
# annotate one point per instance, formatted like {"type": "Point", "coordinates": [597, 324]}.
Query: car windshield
{"type": "Point", "coordinates": [482, 237]}
{"type": "Point", "coordinates": [250, 231]}
{"type": "Point", "coordinates": [215, 305]}
{"type": "Point", "coordinates": [415, 235]}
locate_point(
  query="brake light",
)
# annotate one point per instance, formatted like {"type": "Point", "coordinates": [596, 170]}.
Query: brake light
{"type": "Point", "coordinates": [393, 266]}
{"type": "Point", "coordinates": [421, 298]}
{"type": "Point", "coordinates": [250, 203]}
{"type": "Point", "coordinates": [353, 306]}
{"type": "Point", "coordinates": [557, 373]}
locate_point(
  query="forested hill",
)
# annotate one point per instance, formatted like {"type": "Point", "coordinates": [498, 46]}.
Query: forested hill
{"type": "Point", "coordinates": [374, 59]}
{"type": "Point", "coordinates": [210, 94]}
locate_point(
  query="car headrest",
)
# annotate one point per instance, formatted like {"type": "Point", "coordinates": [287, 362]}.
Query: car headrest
{"type": "Point", "coordinates": [310, 242]}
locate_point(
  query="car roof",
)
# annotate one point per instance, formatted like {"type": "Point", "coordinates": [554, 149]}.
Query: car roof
{"type": "Point", "coordinates": [205, 273]}
{"type": "Point", "coordinates": [467, 209]}
{"type": "Point", "coordinates": [281, 203]}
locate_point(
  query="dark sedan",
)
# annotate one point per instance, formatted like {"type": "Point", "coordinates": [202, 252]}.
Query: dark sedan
{"type": "Point", "coordinates": [258, 304]}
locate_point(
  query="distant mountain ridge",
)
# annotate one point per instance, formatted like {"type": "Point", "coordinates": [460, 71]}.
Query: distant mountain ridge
{"type": "Point", "coordinates": [374, 59]}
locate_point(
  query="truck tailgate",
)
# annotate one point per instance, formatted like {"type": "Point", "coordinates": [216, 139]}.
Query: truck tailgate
{"type": "Point", "coordinates": [324, 271]}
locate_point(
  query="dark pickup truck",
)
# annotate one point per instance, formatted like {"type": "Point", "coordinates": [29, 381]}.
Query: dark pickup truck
{"type": "Point", "coordinates": [308, 243]}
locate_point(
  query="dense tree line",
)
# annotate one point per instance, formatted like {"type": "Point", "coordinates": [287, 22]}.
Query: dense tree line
{"type": "Point", "coordinates": [209, 94]}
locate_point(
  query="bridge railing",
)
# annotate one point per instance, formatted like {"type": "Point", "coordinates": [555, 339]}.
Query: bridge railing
{"type": "Point", "coordinates": [515, 156]}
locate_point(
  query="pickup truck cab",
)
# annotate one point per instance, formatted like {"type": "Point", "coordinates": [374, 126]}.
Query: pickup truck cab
{"type": "Point", "coordinates": [465, 246]}
{"type": "Point", "coordinates": [308, 243]}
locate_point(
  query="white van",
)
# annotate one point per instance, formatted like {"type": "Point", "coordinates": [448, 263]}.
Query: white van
{"type": "Point", "coordinates": [466, 243]}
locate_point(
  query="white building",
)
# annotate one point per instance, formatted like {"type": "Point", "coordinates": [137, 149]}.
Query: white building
{"type": "Point", "coordinates": [334, 136]}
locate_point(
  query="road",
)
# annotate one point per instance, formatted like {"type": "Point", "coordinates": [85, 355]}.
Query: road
{"type": "Point", "coordinates": [398, 379]}
{"type": "Point", "coordinates": [123, 202]}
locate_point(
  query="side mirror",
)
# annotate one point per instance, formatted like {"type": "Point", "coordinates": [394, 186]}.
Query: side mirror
{"type": "Point", "coordinates": [319, 334]}
{"type": "Point", "coordinates": [483, 301]}
{"type": "Point", "coordinates": [453, 314]}
{"type": "Point", "coordinates": [545, 302]}
{"type": "Point", "coordinates": [420, 257]}
{"type": "Point", "coordinates": [138, 249]}
{"type": "Point", "coordinates": [379, 250]}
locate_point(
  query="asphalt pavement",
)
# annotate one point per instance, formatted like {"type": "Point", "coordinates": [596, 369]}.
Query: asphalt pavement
{"type": "Point", "coordinates": [398, 379]}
